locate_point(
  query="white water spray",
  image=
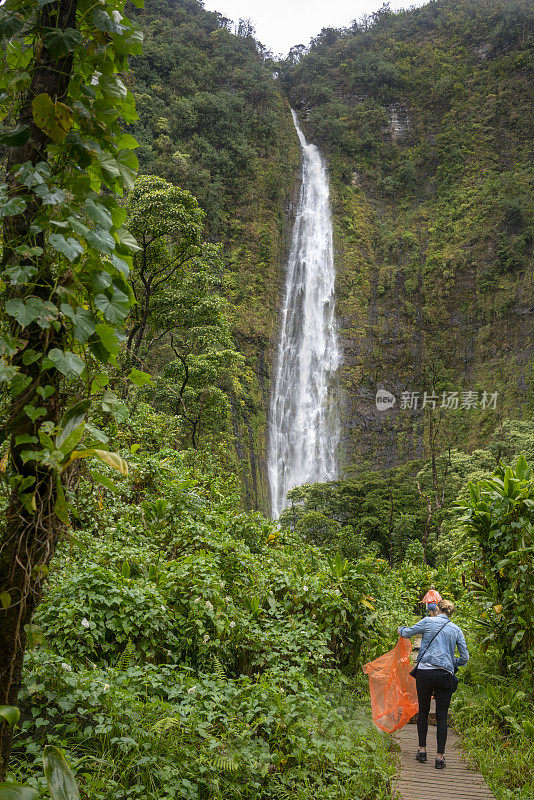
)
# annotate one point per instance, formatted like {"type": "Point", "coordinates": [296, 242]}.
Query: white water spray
{"type": "Point", "coordinates": [304, 423]}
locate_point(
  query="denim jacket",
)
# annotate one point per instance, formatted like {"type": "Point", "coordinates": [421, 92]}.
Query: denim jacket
{"type": "Point", "coordinates": [440, 654]}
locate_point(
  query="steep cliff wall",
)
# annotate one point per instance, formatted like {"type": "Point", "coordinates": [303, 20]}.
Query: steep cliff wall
{"type": "Point", "coordinates": [425, 117]}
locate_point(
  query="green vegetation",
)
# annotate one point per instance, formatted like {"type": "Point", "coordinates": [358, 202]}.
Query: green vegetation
{"type": "Point", "coordinates": [214, 120]}
{"type": "Point", "coordinates": [159, 639]}
{"type": "Point", "coordinates": [425, 119]}
{"type": "Point", "coordinates": [198, 659]}
{"type": "Point", "coordinates": [65, 263]}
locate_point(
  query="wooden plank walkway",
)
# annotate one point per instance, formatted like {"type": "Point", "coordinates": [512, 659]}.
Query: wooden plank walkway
{"type": "Point", "coordinates": [424, 782]}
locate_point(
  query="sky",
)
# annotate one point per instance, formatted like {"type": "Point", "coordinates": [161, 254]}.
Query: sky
{"type": "Point", "coordinates": [280, 24]}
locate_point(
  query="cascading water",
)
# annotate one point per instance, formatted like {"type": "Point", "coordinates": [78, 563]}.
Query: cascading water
{"type": "Point", "coordinates": [304, 424]}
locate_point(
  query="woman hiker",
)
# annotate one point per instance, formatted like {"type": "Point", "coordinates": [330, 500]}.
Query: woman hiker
{"type": "Point", "coordinates": [435, 672]}
{"type": "Point", "coordinates": [431, 599]}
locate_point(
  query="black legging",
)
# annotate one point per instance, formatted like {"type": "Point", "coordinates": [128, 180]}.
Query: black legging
{"type": "Point", "coordinates": [437, 682]}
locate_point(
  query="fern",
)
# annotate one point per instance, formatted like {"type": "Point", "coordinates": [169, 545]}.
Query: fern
{"type": "Point", "coordinates": [166, 724]}
{"type": "Point", "coordinates": [225, 764]}
{"type": "Point", "coordinates": [218, 670]}
{"type": "Point", "coordinates": [127, 657]}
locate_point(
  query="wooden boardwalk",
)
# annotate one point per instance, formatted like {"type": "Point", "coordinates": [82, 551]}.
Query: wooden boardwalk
{"type": "Point", "coordinates": [423, 782]}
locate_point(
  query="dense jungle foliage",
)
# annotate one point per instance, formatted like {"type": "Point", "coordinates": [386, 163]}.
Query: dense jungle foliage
{"type": "Point", "coordinates": [158, 638]}
{"type": "Point", "coordinates": [188, 649]}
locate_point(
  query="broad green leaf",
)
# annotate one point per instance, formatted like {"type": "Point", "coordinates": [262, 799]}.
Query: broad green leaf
{"type": "Point", "coordinates": [108, 167]}
{"type": "Point", "coordinates": [98, 213]}
{"type": "Point", "coordinates": [50, 197]}
{"type": "Point", "coordinates": [28, 252]}
{"type": "Point", "coordinates": [121, 265]}
{"type": "Point", "coordinates": [84, 322]}
{"type": "Point", "coordinates": [101, 240]}
{"type": "Point", "coordinates": [61, 508]}
{"type": "Point", "coordinates": [114, 309]}
{"type": "Point", "coordinates": [131, 41]}
{"type": "Point", "coordinates": [99, 382]}
{"type": "Point", "coordinates": [96, 433]}
{"type": "Point", "coordinates": [61, 782]}
{"type": "Point", "coordinates": [7, 372]}
{"type": "Point", "coordinates": [108, 336]}
{"type": "Point", "coordinates": [522, 469]}
{"type": "Point", "coordinates": [73, 439]}
{"type": "Point", "coordinates": [71, 419]}
{"type": "Point", "coordinates": [81, 151]}
{"type": "Point", "coordinates": [30, 357]}
{"type": "Point", "coordinates": [59, 41]}
{"type": "Point", "coordinates": [33, 175]}
{"type": "Point", "coordinates": [104, 22]}
{"type": "Point", "coordinates": [113, 86]}
{"type": "Point", "coordinates": [13, 207]}
{"type": "Point", "coordinates": [111, 404]}
{"type": "Point", "coordinates": [69, 364]}
{"type": "Point", "coordinates": [113, 460]}
{"type": "Point", "coordinates": [140, 378]}
{"type": "Point", "coordinates": [13, 791]}
{"type": "Point", "coordinates": [45, 391]}
{"type": "Point", "coordinates": [127, 142]}
{"type": "Point", "coordinates": [5, 599]}
{"type": "Point", "coordinates": [103, 480]}
{"type": "Point", "coordinates": [10, 24]}
{"type": "Point", "coordinates": [53, 118]}
{"type": "Point", "coordinates": [25, 438]}
{"type": "Point", "coordinates": [128, 166]}
{"type": "Point", "coordinates": [20, 273]}
{"type": "Point", "coordinates": [15, 137]}
{"type": "Point", "coordinates": [126, 240]}
{"type": "Point", "coordinates": [34, 413]}
{"type": "Point", "coordinates": [98, 349]}
{"type": "Point", "coordinates": [33, 310]}
{"type": "Point", "coordinates": [128, 111]}
{"type": "Point", "coordinates": [11, 714]}
{"type": "Point", "coordinates": [71, 248]}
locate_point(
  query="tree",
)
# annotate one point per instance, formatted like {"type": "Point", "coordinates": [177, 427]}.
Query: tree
{"type": "Point", "coordinates": [498, 516]}
{"type": "Point", "coordinates": [64, 276]}
{"type": "Point", "coordinates": [201, 363]}
{"type": "Point", "coordinates": [167, 222]}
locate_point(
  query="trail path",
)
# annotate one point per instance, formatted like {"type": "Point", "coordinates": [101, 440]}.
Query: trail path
{"type": "Point", "coordinates": [423, 782]}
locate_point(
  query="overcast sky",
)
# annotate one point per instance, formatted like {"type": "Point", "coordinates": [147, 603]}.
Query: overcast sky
{"type": "Point", "coordinates": [282, 23]}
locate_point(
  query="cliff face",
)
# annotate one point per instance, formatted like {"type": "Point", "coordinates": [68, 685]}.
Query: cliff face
{"type": "Point", "coordinates": [424, 117]}
{"type": "Point", "coordinates": [214, 120]}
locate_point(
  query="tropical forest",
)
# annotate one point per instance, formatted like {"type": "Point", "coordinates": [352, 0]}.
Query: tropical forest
{"type": "Point", "coordinates": [266, 379]}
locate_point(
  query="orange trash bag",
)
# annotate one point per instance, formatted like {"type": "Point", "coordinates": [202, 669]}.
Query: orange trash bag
{"type": "Point", "coordinates": [392, 688]}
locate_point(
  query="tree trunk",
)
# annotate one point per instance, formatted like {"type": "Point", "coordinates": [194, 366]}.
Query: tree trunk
{"type": "Point", "coordinates": [32, 529]}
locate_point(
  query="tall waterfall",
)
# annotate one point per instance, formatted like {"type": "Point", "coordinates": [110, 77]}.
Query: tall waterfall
{"type": "Point", "coordinates": [304, 424]}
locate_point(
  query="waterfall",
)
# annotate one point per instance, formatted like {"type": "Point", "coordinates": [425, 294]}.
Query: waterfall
{"type": "Point", "coordinates": [304, 424]}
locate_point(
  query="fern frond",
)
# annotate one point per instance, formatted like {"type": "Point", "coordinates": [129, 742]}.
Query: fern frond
{"type": "Point", "coordinates": [166, 724]}
{"type": "Point", "coordinates": [127, 657]}
{"type": "Point", "coordinates": [225, 764]}
{"type": "Point", "coordinates": [218, 670]}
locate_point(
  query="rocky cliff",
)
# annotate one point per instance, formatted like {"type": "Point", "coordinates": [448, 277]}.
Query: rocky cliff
{"type": "Point", "coordinates": [425, 118]}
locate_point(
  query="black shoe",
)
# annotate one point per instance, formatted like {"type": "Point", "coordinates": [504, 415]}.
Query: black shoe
{"type": "Point", "coordinates": [421, 757]}
{"type": "Point", "coordinates": [440, 763]}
